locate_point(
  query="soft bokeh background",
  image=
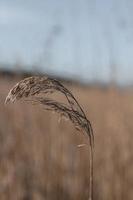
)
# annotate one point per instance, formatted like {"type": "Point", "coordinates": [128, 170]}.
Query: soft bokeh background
{"type": "Point", "coordinates": [87, 45]}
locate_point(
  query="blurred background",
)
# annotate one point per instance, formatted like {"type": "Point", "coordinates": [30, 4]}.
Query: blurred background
{"type": "Point", "coordinates": [88, 46]}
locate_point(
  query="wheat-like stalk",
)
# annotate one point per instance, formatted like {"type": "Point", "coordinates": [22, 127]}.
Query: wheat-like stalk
{"type": "Point", "coordinates": [35, 89]}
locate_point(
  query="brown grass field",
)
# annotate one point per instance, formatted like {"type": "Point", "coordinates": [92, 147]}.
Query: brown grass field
{"type": "Point", "coordinates": [40, 158]}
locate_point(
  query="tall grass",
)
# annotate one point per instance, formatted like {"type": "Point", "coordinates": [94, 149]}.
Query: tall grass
{"type": "Point", "coordinates": [36, 90]}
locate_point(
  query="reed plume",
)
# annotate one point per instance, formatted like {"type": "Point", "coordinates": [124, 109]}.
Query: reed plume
{"type": "Point", "coordinates": [35, 89]}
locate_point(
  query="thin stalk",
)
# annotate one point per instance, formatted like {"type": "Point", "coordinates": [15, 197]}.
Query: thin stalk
{"type": "Point", "coordinates": [91, 173]}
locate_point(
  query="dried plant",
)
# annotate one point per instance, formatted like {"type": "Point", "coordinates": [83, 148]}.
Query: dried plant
{"type": "Point", "coordinates": [36, 90]}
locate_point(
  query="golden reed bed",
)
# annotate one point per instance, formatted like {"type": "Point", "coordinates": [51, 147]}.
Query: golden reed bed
{"type": "Point", "coordinates": [51, 164]}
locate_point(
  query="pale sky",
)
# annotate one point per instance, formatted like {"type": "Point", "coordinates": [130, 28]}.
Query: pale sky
{"type": "Point", "coordinates": [80, 38]}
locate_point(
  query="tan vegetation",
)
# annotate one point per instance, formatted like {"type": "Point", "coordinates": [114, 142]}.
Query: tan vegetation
{"type": "Point", "coordinates": [41, 159]}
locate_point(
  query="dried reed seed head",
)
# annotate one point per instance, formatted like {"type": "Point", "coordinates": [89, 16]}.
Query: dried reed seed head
{"type": "Point", "coordinates": [33, 86]}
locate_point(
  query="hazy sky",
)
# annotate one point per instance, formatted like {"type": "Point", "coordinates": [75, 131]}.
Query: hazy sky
{"type": "Point", "coordinates": [70, 37]}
